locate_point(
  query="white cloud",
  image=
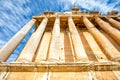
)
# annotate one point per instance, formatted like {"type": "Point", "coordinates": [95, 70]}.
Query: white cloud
{"type": "Point", "coordinates": [15, 13]}
{"type": "Point", "coordinates": [100, 5]}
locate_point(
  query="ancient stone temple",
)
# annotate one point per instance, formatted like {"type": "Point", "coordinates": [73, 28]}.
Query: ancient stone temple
{"type": "Point", "coordinates": [76, 45]}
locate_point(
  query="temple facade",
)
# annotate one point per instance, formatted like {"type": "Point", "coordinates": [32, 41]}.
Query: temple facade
{"type": "Point", "coordinates": [76, 45]}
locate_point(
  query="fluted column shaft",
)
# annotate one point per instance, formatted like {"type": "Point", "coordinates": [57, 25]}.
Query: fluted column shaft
{"type": "Point", "coordinates": [11, 45]}
{"type": "Point", "coordinates": [114, 23]}
{"type": "Point", "coordinates": [29, 50]}
{"type": "Point", "coordinates": [80, 53]}
{"type": "Point", "coordinates": [104, 43]}
{"type": "Point", "coordinates": [114, 33]}
{"type": "Point", "coordinates": [54, 52]}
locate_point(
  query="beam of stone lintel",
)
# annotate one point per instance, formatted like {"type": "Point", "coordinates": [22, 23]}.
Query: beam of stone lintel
{"type": "Point", "coordinates": [30, 48]}
{"type": "Point", "coordinates": [114, 23]}
{"type": "Point", "coordinates": [54, 51]}
{"type": "Point", "coordinates": [113, 32]}
{"type": "Point", "coordinates": [80, 53]}
{"type": "Point", "coordinates": [12, 44]}
{"type": "Point", "coordinates": [103, 42]}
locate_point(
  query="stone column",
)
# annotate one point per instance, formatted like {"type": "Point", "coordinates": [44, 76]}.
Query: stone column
{"type": "Point", "coordinates": [54, 52]}
{"type": "Point", "coordinates": [11, 45]}
{"type": "Point", "coordinates": [80, 53]}
{"type": "Point", "coordinates": [114, 33]}
{"type": "Point", "coordinates": [114, 23]}
{"type": "Point", "coordinates": [103, 42]}
{"type": "Point", "coordinates": [62, 51]}
{"type": "Point", "coordinates": [97, 51]}
{"type": "Point", "coordinates": [29, 50]}
{"type": "Point", "coordinates": [43, 48]}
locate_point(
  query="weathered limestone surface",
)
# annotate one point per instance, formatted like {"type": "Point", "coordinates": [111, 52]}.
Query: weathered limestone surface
{"type": "Point", "coordinates": [62, 52]}
{"type": "Point", "coordinates": [27, 55]}
{"type": "Point", "coordinates": [70, 76]}
{"type": "Point", "coordinates": [43, 48]}
{"type": "Point", "coordinates": [27, 76]}
{"type": "Point", "coordinates": [69, 51]}
{"type": "Point", "coordinates": [77, 43]}
{"type": "Point", "coordinates": [105, 75]}
{"type": "Point", "coordinates": [95, 47]}
{"type": "Point", "coordinates": [87, 48]}
{"type": "Point", "coordinates": [54, 53]}
{"type": "Point", "coordinates": [117, 74]}
{"type": "Point", "coordinates": [11, 45]}
{"type": "Point", "coordinates": [114, 23]}
{"type": "Point", "coordinates": [29, 50]}
{"type": "Point", "coordinates": [113, 32]}
{"type": "Point", "coordinates": [105, 44]}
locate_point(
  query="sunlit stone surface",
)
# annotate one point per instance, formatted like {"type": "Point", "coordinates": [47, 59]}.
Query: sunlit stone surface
{"type": "Point", "coordinates": [74, 45]}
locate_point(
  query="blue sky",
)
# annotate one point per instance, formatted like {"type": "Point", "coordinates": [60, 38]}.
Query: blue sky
{"type": "Point", "coordinates": [16, 13]}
